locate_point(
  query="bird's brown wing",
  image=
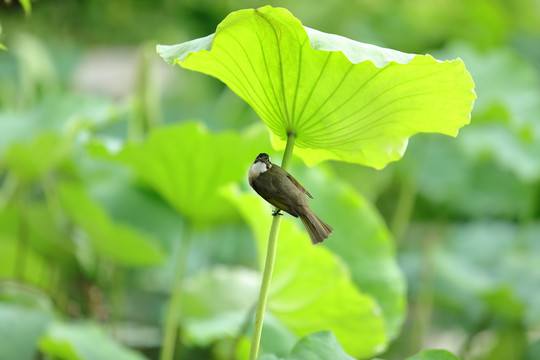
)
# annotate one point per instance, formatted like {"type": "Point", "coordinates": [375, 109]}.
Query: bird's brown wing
{"type": "Point", "coordinates": [283, 200]}
{"type": "Point", "coordinates": [267, 185]}
{"type": "Point", "coordinates": [292, 179]}
{"type": "Point", "coordinates": [280, 191]}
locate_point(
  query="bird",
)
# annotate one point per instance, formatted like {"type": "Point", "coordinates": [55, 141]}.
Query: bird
{"type": "Point", "coordinates": [281, 189]}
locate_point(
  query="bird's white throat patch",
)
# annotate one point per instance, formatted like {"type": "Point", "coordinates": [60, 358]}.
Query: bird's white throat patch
{"type": "Point", "coordinates": [257, 169]}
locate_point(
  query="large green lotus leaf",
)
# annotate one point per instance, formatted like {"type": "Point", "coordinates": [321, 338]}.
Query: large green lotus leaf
{"type": "Point", "coordinates": [311, 288]}
{"type": "Point", "coordinates": [433, 355]}
{"type": "Point", "coordinates": [83, 341]}
{"type": "Point", "coordinates": [114, 241]}
{"type": "Point", "coordinates": [187, 164]}
{"type": "Point", "coordinates": [343, 99]}
{"type": "Point", "coordinates": [20, 329]}
{"type": "Point", "coordinates": [359, 226]}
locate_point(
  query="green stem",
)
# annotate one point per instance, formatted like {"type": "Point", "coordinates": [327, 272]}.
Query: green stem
{"type": "Point", "coordinates": [175, 302]}
{"type": "Point", "coordinates": [423, 309]}
{"type": "Point", "coordinates": [291, 137]}
{"type": "Point", "coordinates": [269, 262]}
{"type": "Point", "coordinates": [145, 111]}
{"type": "Point", "coordinates": [404, 208]}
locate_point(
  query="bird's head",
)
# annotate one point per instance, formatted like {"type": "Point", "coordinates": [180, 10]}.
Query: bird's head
{"type": "Point", "coordinates": [263, 158]}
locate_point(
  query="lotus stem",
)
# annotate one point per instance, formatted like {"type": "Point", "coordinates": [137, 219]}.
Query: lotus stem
{"type": "Point", "coordinates": [269, 262]}
{"type": "Point", "coordinates": [175, 302]}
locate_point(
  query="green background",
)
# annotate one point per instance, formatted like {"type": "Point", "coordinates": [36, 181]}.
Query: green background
{"type": "Point", "coordinates": [89, 234]}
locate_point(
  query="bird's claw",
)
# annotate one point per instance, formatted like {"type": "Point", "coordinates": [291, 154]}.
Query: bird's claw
{"type": "Point", "coordinates": [277, 212]}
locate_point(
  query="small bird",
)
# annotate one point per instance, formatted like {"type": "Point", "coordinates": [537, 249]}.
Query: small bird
{"type": "Point", "coordinates": [282, 190]}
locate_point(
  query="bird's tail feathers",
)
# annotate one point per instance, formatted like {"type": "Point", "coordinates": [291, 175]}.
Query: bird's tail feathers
{"type": "Point", "coordinates": [317, 229]}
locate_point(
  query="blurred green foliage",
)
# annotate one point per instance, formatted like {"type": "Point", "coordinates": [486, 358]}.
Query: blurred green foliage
{"type": "Point", "coordinates": [90, 230]}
